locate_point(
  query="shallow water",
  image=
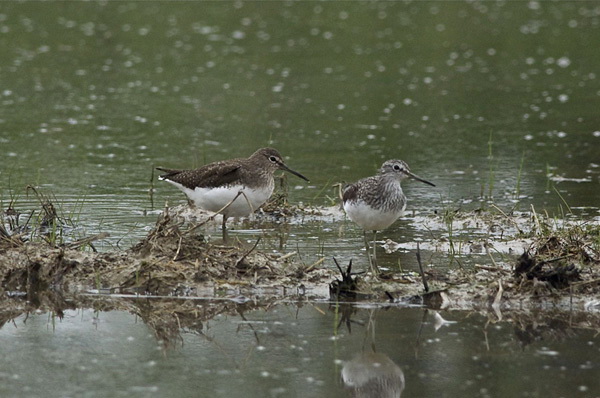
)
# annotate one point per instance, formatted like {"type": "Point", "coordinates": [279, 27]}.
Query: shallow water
{"type": "Point", "coordinates": [493, 102]}
{"type": "Point", "coordinates": [311, 349]}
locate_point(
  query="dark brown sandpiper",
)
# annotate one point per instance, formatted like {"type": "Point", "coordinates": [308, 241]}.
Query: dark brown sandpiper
{"type": "Point", "coordinates": [234, 187]}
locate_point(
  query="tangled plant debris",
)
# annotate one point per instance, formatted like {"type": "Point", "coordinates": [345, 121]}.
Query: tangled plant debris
{"type": "Point", "coordinates": [174, 259]}
{"type": "Point", "coordinates": [560, 266]}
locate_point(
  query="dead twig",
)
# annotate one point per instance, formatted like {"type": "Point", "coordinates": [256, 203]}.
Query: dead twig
{"type": "Point", "coordinates": [241, 259]}
{"type": "Point", "coordinates": [590, 282]}
{"type": "Point", "coordinates": [286, 256]}
{"type": "Point", "coordinates": [313, 265]}
{"type": "Point", "coordinates": [87, 241]}
{"type": "Point", "coordinates": [508, 218]}
{"type": "Point", "coordinates": [498, 298]}
{"type": "Point", "coordinates": [493, 269]}
{"type": "Point", "coordinates": [178, 249]}
{"type": "Point", "coordinates": [425, 284]}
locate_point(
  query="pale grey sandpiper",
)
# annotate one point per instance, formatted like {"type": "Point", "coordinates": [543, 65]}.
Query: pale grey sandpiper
{"type": "Point", "coordinates": [375, 203]}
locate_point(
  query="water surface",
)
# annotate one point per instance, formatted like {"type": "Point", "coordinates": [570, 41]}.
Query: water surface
{"type": "Point", "coordinates": [297, 349]}
{"type": "Point", "coordinates": [494, 102]}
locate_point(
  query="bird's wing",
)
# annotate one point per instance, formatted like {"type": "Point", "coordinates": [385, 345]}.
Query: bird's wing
{"type": "Point", "coordinates": [367, 187]}
{"type": "Point", "coordinates": [208, 176]}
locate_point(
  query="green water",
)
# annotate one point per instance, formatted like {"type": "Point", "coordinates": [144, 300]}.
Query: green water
{"type": "Point", "coordinates": [311, 350]}
{"type": "Point", "coordinates": [97, 94]}
{"type": "Point", "coordinates": [488, 100]}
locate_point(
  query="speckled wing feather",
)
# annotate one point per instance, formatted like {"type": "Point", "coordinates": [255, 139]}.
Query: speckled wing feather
{"type": "Point", "coordinates": [365, 189]}
{"type": "Point", "coordinates": [209, 176]}
{"type": "Point", "coordinates": [376, 191]}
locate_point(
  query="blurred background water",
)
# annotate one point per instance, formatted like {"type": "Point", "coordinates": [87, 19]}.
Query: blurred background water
{"type": "Point", "coordinates": [96, 94]}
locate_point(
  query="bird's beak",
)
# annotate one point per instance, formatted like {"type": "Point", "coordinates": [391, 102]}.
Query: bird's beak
{"type": "Point", "coordinates": [284, 167]}
{"type": "Point", "coordinates": [416, 177]}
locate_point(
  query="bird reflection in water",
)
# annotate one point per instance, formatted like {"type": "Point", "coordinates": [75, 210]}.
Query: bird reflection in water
{"type": "Point", "coordinates": [371, 374]}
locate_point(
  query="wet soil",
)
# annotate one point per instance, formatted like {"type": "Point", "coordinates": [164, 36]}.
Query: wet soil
{"type": "Point", "coordinates": [174, 259]}
{"type": "Point", "coordinates": [559, 269]}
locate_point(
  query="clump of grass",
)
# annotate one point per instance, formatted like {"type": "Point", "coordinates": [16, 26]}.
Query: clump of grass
{"type": "Point", "coordinates": [49, 222]}
{"type": "Point", "coordinates": [331, 200]}
{"type": "Point", "coordinates": [558, 256]}
{"type": "Point", "coordinates": [448, 218]}
{"type": "Point", "coordinates": [492, 173]}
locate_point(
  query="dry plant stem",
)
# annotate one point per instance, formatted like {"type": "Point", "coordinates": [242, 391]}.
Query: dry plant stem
{"type": "Point", "coordinates": [492, 258]}
{"type": "Point", "coordinates": [425, 284]}
{"type": "Point", "coordinates": [560, 258]}
{"type": "Point", "coordinates": [86, 241]}
{"type": "Point", "coordinates": [286, 256]}
{"type": "Point", "coordinates": [247, 253]}
{"type": "Point", "coordinates": [537, 220]}
{"type": "Point", "coordinates": [498, 298]}
{"type": "Point", "coordinates": [178, 249]}
{"type": "Point", "coordinates": [494, 269]}
{"type": "Point", "coordinates": [591, 282]}
{"type": "Point", "coordinates": [510, 219]}
{"type": "Point", "coordinates": [313, 265]}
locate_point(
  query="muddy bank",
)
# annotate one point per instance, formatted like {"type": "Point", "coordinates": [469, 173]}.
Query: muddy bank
{"type": "Point", "coordinates": [174, 259]}
{"type": "Point", "coordinates": [558, 268]}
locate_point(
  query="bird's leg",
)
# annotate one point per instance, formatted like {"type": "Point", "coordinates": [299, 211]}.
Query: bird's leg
{"type": "Point", "coordinates": [367, 248]}
{"type": "Point", "coordinates": [374, 264]}
{"type": "Point", "coordinates": [224, 228]}
{"type": "Point", "coordinates": [371, 257]}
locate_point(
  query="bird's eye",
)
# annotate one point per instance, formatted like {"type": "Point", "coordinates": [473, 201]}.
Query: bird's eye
{"type": "Point", "coordinates": [397, 168]}
{"type": "Point", "coordinates": [273, 159]}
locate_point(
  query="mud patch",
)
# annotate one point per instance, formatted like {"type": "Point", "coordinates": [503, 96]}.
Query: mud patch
{"type": "Point", "coordinates": [559, 266]}
{"type": "Point", "coordinates": [174, 259]}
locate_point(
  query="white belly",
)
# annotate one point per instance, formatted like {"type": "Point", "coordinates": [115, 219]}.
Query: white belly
{"type": "Point", "coordinates": [369, 218]}
{"type": "Point", "coordinates": [214, 199]}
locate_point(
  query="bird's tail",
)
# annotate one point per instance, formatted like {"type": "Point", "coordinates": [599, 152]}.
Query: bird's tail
{"type": "Point", "coordinates": [168, 173]}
